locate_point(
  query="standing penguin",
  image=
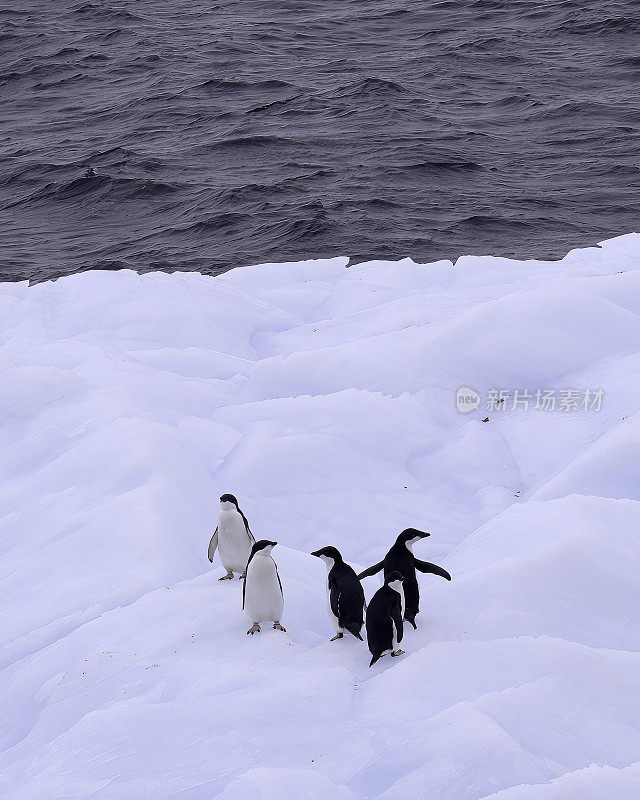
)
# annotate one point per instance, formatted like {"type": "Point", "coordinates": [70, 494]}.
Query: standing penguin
{"type": "Point", "coordinates": [384, 618]}
{"type": "Point", "coordinates": [232, 537]}
{"type": "Point", "coordinates": [262, 597]}
{"type": "Point", "coordinates": [345, 595]}
{"type": "Point", "coordinates": [400, 559]}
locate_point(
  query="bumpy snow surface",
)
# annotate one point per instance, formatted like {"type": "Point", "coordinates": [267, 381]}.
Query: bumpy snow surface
{"type": "Point", "coordinates": [324, 397]}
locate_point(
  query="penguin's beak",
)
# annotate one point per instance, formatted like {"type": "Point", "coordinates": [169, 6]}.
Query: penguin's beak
{"type": "Point", "coordinates": [316, 553]}
{"type": "Point", "coordinates": [422, 534]}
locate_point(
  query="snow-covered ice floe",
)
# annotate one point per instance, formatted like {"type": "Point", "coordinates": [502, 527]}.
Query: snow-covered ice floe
{"type": "Point", "coordinates": [324, 397]}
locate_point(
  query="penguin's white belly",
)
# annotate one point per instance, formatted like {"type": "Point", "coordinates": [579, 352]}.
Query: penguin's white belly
{"type": "Point", "coordinates": [262, 595]}
{"type": "Point", "coordinates": [395, 630]}
{"type": "Point", "coordinates": [394, 642]}
{"type": "Point", "coordinates": [234, 543]}
{"type": "Point", "coordinates": [332, 616]}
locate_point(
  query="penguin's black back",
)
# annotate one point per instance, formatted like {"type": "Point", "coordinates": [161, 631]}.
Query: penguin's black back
{"type": "Point", "coordinates": [399, 559]}
{"type": "Point", "coordinates": [379, 622]}
{"type": "Point", "coordinates": [350, 610]}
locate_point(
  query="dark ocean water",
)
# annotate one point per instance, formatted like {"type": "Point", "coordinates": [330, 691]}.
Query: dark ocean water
{"type": "Point", "coordinates": [231, 133]}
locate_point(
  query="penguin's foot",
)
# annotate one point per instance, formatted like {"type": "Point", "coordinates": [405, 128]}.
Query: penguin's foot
{"type": "Point", "coordinates": [278, 627]}
{"type": "Point", "coordinates": [227, 577]}
{"type": "Point", "coordinates": [255, 628]}
{"type": "Point", "coordinates": [397, 653]}
{"type": "Point", "coordinates": [337, 636]}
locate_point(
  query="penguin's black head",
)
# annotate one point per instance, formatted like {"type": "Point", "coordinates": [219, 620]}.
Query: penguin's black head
{"type": "Point", "coordinates": [411, 535]}
{"type": "Point", "coordinates": [263, 547]}
{"type": "Point", "coordinates": [328, 554]}
{"type": "Point", "coordinates": [228, 498]}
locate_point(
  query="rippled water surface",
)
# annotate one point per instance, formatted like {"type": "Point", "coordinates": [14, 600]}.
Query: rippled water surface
{"type": "Point", "coordinates": [232, 133]}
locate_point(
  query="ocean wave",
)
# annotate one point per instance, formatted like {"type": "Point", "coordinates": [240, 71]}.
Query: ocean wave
{"type": "Point", "coordinates": [435, 165]}
{"type": "Point", "coordinates": [249, 142]}
{"type": "Point", "coordinates": [105, 12]}
{"type": "Point", "coordinates": [365, 87]}
{"type": "Point", "coordinates": [610, 25]}
{"type": "Point", "coordinates": [217, 222]}
{"type": "Point", "coordinates": [492, 222]}
{"type": "Point", "coordinates": [95, 188]}
{"type": "Point", "coordinates": [214, 85]}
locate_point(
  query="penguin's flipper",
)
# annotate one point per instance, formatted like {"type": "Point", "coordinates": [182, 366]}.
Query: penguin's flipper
{"type": "Point", "coordinates": [374, 658]}
{"type": "Point", "coordinates": [278, 577]}
{"type": "Point", "coordinates": [396, 616]}
{"type": "Point", "coordinates": [425, 566]}
{"type": "Point", "coordinates": [334, 598]}
{"type": "Point", "coordinates": [244, 587]}
{"type": "Point", "coordinates": [213, 544]}
{"type": "Point", "coordinates": [371, 570]}
{"type": "Point", "coordinates": [247, 528]}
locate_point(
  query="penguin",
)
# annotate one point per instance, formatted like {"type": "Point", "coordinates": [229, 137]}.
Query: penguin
{"type": "Point", "coordinates": [400, 559]}
{"type": "Point", "coordinates": [232, 537]}
{"type": "Point", "coordinates": [384, 618]}
{"type": "Point", "coordinates": [262, 596]}
{"type": "Point", "coordinates": [345, 595]}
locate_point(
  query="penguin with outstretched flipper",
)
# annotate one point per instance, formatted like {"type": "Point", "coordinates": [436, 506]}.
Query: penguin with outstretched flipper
{"type": "Point", "coordinates": [400, 559]}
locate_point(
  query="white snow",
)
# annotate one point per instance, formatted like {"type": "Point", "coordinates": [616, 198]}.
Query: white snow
{"type": "Point", "coordinates": [324, 397]}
